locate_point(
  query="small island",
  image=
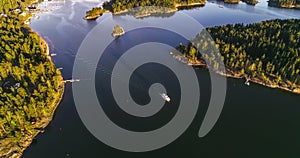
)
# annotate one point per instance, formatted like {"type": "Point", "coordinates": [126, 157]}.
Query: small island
{"type": "Point", "coordinates": [118, 31]}
{"type": "Point", "coordinates": [266, 53]}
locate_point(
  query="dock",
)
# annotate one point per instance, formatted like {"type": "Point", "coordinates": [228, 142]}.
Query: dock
{"type": "Point", "coordinates": [71, 81]}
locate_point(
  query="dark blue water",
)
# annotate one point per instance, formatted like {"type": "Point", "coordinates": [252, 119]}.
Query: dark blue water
{"type": "Point", "coordinates": [256, 121]}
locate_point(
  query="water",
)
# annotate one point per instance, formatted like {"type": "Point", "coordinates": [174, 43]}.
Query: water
{"type": "Point", "coordinates": [256, 121]}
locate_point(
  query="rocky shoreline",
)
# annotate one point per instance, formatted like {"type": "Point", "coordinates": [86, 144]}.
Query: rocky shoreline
{"type": "Point", "coordinates": [15, 150]}
{"type": "Point", "coordinates": [10, 149]}
{"type": "Point", "coordinates": [257, 80]}
{"type": "Point", "coordinates": [231, 74]}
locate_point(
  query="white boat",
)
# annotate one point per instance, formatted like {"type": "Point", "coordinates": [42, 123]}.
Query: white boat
{"type": "Point", "coordinates": [247, 82]}
{"type": "Point", "coordinates": [165, 97]}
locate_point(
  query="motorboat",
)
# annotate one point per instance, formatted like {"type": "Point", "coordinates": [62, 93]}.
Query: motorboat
{"type": "Point", "coordinates": [165, 97]}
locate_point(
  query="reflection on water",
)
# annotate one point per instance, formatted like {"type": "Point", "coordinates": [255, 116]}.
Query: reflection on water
{"type": "Point", "coordinates": [212, 15]}
{"type": "Point", "coordinates": [267, 126]}
{"type": "Point", "coordinates": [149, 11]}
{"type": "Point", "coordinates": [49, 6]}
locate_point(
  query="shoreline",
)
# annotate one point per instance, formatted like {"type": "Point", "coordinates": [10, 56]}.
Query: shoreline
{"type": "Point", "coordinates": [231, 74]}
{"type": "Point", "coordinates": [44, 122]}
{"type": "Point", "coordinates": [257, 80]}
{"type": "Point", "coordinates": [95, 16]}
{"type": "Point", "coordinates": [178, 5]}
{"type": "Point", "coordinates": [54, 105]}
{"type": "Point", "coordinates": [292, 6]}
{"type": "Point", "coordinates": [16, 150]}
{"type": "Point", "coordinates": [177, 8]}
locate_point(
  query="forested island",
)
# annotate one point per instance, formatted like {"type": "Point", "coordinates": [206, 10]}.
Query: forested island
{"type": "Point", "coordinates": [251, 2]}
{"type": "Point", "coordinates": [266, 53]}
{"type": "Point", "coordinates": [30, 85]}
{"type": "Point", "coordinates": [285, 3]}
{"type": "Point", "coordinates": [118, 31]}
{"type": "Point", "coordinates": [94, 13]}
{"type": "Point", "coordinates": [121, 6]}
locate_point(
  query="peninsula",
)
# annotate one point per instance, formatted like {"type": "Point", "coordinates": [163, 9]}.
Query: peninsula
{"type": "Point", "coordinates": [266, 53]}
{"type": "Point", "coordinates": [30, 86]}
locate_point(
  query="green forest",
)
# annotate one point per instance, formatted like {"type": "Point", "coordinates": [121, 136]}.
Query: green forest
{"type": "Point", "coordinates": [268, 51]}
{"type": "Point", "coordinates": [116, 6]}
{"type": "Point", "coordinates": [120, 5]}
{"type": "Point", "coordinates": [94, 13]}
{"type": "Point", "coordinates": [29, 81]}
{"type": "Point", "coordinates": [7, 5]}
{"type": "Point", "coordinates": [284, 3]}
